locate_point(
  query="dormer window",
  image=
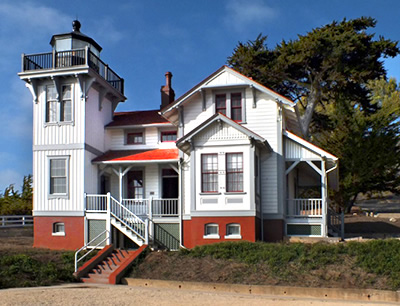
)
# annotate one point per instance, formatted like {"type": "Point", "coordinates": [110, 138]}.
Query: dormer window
{"type": "Point", "coordinates": [230, 104]}
{"type": "Point", "coordinates": [134, 138]}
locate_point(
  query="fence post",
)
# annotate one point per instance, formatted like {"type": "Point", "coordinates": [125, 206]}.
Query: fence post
{"type": "Point", "coordinates": [342, 225]}
{"type": "Point", "coordinates": [54, 59]}
{"type": "Point", "coordinates": [2, 221]}
{"type": "Point", "coordinates": [86, 55]}
{"type": "Point", "coordinates": [146, 234]}
{"type": "Point", "coordinates": [23, 220]}
{"type": "Point", "coordinates": [85, 201]}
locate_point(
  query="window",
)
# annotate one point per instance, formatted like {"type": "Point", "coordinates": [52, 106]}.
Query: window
{"type": "Point", "coordinates": [58, 229]}
{"type": "Point", "coordinates": [230, 104]}
{"type": "Point", "coordinates": [220, 103]}
{"type": "Point", "coordinates": [236, 106]}
{"type": "Point", "coordinates": [233, 231]}
{"type": "Point", "coordinates": [168, 136]}
{"type": "Point", "coordinates": [51, 104]}
{"type": "Point", "coordinates": [234, 172]}
{"type": "Point", "coordinates": [211, 231]}
{"type": "Point", "coordinates": [209, 173]}
{"type": "Point", "coordinates": [58, 176]}
{"type": "Point", "coordinates": [66, 104]}
{"type": "Point", "coordinates": [59, 111]}
{"type": "Point", "coordinates": [135, 185]}
{"type": "Point", "coordinates": [134, 138]}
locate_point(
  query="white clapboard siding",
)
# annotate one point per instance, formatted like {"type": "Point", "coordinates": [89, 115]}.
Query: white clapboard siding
{"type": "Point", "coordinates": [225, 78]}
{"type": "Point", "coordinates": [74, 202]}
{"type": "Point", "coordinates": [262, 119]}
{"type": "Point", "coordinates": [96, 119]}
{"type": "Point", "coordinates": [91, 174]}
{"type": "Point", "coordinates": [269, 184]}
{"type": "Point", "coordinates": [193, 113]}
{"type": "Point", "coordinates": [152, 181]}
{"type": "Point", "coordinates": [294, 150]}
{"type": "Point", "coordinates": [54, 134]}
{"type": "Point", "coordinates": [117, 139]}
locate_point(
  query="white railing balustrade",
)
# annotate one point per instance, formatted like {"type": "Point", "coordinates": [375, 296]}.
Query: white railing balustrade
{"type": "Point", "coordinates": [129, 219]}
{"type": "Point", "coordinates": [16, 221]}
{"type": "Point", "coordinates": [139, 207]}
{"type": "Point", "coordinates": [305, 207]}
{"type": "Point", "coordinates": [96, 202]}
{"type": "Point", "coordinates": [165, 207]}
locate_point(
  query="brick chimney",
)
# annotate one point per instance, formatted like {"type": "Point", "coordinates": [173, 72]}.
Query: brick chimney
{"type": "Point", "coordinates": [167, 93]}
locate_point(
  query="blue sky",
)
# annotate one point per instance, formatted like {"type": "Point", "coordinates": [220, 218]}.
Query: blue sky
{"type": "Point", "coordinates": [142, 40]}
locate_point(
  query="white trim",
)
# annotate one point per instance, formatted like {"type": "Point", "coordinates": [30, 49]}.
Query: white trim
{"type": "Point", "coordinates": [309, 145]}
{"type": "Point", "coordinates": [66, 159]}
{"type": "Point", "coordinates": [59, 213]}
{"type": "Point", "coordinates": [72, 146]}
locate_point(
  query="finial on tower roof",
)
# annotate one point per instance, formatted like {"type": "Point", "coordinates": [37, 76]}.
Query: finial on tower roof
{"type": "Point", "coordinates": [76, 26]}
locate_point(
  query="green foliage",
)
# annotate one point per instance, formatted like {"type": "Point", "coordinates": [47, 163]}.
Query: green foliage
{"type": "Point", "coordinates": [14, 203]}
{"type": "Point", "coordinates": [26, 270]}
{"type": "Point", "coordinates": [365, 142]}
{"type": "Point", "coordinates": [380, 257]}
{"type": "Point", "coordinates": [340, 57]}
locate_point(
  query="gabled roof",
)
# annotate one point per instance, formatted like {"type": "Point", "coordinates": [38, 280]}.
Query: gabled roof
{"type": "Point", "coordinates": [138, 156]}
{"type": "Point", "coordinates": [137, 118]}
{"type": "Point", "coordinates": [221, 118]}
{"type": "Point", "coordinates": [203, 84]}
{"type": "Point", "coordinates": [309, 146]}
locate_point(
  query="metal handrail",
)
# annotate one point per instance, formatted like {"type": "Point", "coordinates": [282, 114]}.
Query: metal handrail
{"type": "Point", "coordinates": [86, 246]}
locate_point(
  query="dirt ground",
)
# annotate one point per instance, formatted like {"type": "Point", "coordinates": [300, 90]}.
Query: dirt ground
{"type": "Point", "coordinates": [126, 295]}
{"type": "Point", "coordinates": [364, 226]}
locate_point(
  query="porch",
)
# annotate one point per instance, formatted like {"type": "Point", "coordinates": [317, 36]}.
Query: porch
{"type": "Point", "coordinates": [310, 173]}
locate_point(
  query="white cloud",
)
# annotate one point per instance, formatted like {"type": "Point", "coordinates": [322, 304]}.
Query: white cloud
{"type": "Point", "coordinates": [244, 13]}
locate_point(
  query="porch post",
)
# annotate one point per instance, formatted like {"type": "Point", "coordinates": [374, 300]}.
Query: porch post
{"type": "Point", "coordinates": [120, 177]}
{"type": "Point", "coordinates": [324, 199]}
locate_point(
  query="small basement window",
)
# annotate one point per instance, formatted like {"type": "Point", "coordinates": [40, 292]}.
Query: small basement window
{"type": "Point", "coordinates": [58, 229]}
{"type": "Point", "coordinates": [233, 231]}
{"type": "Point", "coordinates": [211, 231]}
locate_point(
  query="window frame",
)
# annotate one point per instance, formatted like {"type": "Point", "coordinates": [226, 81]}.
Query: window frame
{"type": "Point", "coordinates": [218, 109]}
{"type": "Point", "coordinates": [130, 176]}
{"type": "Point", "coordinates": [233, 173]}
{"type": "Point", "coordinates": [167, 133]}
{"type": "Point", "coordinates": [213, 173]}
{"type": "Point", "coordinates": [56, 231]}
{"type": "Point", "coordinates": [228, 103]}
{"type": "Point", "coordinates": [233, 236]}
{"type": "Point", "coordinates": [59, 106]}
{"type": "Point", "coordinates": [141, 133]}
{"type": "Point", "coordinates": [63, 195]}
{"type": "Point", "coordinates": [211, 236]}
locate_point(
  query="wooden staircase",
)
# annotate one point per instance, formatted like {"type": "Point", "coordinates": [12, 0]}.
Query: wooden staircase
{"type": "Point", "coordinates": [108, 266]}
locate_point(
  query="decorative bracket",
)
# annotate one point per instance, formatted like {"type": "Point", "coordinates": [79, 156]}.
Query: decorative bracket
{"type": "Point", "coordinates": [84, 83]}
{"type": "Point", "coordinates": [33, 88]}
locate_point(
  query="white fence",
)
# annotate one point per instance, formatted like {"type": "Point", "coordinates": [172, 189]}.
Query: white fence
{"type": "Point", "coordinates": [305, 207]}
{"type": "Point", "coordinates": [16, 221]}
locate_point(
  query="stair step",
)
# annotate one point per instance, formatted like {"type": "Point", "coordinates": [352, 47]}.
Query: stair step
{"type": "Point", "coordinates": [95, 280]}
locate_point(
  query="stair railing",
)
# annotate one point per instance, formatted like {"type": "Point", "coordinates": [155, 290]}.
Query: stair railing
{"type": "Point", "coordinates": [85, 247]}
{"type": "Point", "coordinates": [129, 219]}
{"type": "Point", "coordinates": [336, 222]}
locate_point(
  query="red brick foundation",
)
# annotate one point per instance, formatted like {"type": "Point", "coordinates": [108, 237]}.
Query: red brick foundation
{"type": "Point", "coordinates": [44, 238]}
{"type": "Point", "coordinates": [193, 230]}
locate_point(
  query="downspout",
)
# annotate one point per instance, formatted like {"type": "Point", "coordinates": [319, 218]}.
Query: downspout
{"type": "Point", "coordinates": [180, 204]}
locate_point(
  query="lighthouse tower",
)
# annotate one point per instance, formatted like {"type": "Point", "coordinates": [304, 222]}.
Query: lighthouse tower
{"type": "Point", "coordinates": [74, 96]}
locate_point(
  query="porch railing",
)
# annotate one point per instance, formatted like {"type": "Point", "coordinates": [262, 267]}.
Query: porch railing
{"type": "Point", "coordinates": [72, 58]}
{"type": "Point", "coordinates": [96, 202]}
{"type": "Point", "coordinates": [305, 207]}
{"type": "Point", "coordinates": [140, 207]}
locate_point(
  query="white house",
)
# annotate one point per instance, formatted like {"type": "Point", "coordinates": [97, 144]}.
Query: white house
{"type": "Point", "coordinates": [221, 162]}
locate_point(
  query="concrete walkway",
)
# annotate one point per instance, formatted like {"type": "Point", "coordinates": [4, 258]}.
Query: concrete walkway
{"type": "Point", "coordinates": [82, 294]}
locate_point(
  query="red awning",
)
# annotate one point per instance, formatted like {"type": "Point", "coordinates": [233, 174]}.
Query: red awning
{"type": "Point", "coordinates": [136, 156]}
